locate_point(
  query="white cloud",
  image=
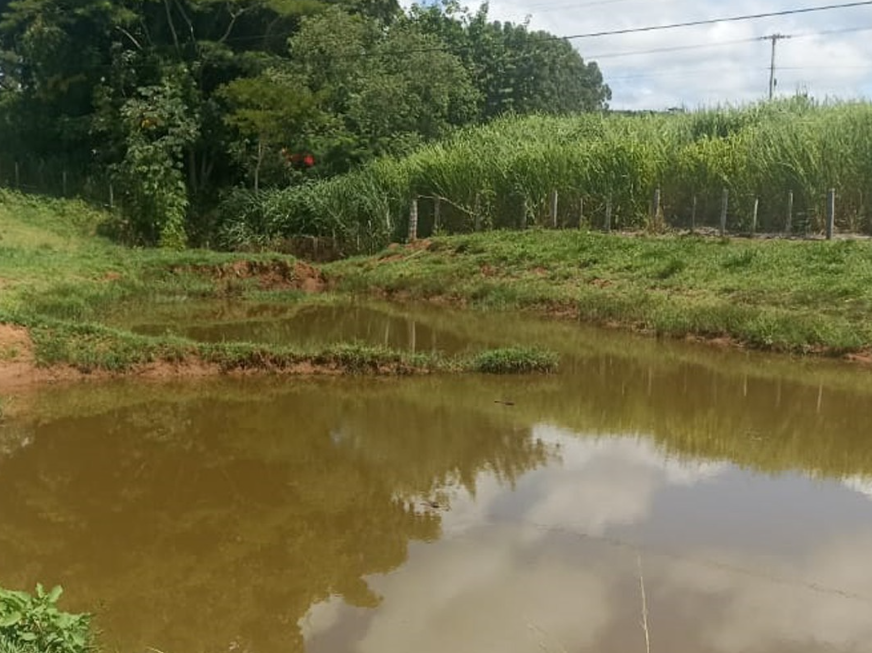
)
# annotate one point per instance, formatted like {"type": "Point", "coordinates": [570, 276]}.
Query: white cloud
{"type": "Point", "coordinates": [860, 484]}
{"type": "Point", "coordinates": [824, 599]}
{"type": "Point", "coordinates": [513, 577]}
{"type": "Point", "coordinates": [825, 65]}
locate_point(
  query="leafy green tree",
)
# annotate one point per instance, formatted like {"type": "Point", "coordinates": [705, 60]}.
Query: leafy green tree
{"type": "Point", "coordinates": [514, 69]}
{"type": "Point", "coordinates": [390, 87]}
{"type": "Point", "coordinates": [411, 92]}
{"type": "Point", "coordinates": [268, 111]}
{"type": "Point", "coordinates": [347, 80]}
{"type": "Point", "coordinates": [159, 127]}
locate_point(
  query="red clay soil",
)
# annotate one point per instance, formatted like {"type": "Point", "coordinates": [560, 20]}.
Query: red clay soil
{"type": "Point", "coordinates": [17, 362]}
{"type": "Point", "coordinates": [270, 275]}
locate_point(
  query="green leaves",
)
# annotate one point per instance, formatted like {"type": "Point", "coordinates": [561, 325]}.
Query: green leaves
{"type": "Point", "coordinates": [36, 622]}
{"type": "Point", "coordinates": [161, 124]}
{"type": "Point", "coordinates": [10, 619]}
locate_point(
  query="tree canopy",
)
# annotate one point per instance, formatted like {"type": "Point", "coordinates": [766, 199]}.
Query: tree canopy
{"type": "Point", "coordinates": [175, 100]}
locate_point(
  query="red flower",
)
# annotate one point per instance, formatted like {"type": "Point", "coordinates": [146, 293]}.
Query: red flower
{"type": "Point", "coordinates": [309, 160]}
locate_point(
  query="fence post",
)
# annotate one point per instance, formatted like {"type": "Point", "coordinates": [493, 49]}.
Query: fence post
{"type": "Point", "coordinates": [655, 205]}
{"type": "Point", "coordinates": [789, 226]}
{"type": "Point", "coordinates": [413, 220]}
{"type": "Point", "coordinates": [754, 217]}
{"type": "Point", "coordinates": [554, 200]}
{"type": "Point", "coordinates": [17, 176]}
{"type": "Point", "coordinates": [608, 214]}
{"type": "Point", "coordinates": [524, 213]}
{"type": "Point", "coordinates": [693, 216]}
{"type": "Point", "coordinates": [437, 214]}
{"type": "Point", "coordinates": [477, 211]}
{"type": "Point", "coordinates": [831, 213]}
{"type": "Point", "coordinates": [64, 181]}
{"type": "Point", "coordinates": [111, 196]}
{"type": "Point", "coordinates": [581, 213]}
{"type": "Point", "coordinates": [725, 205]}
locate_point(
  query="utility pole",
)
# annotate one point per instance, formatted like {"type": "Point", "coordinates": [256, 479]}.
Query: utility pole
{"type": "Point", "coordinates": [774, 38]}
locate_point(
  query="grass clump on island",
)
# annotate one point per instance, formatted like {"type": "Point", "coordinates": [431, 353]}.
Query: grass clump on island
{"type": "Point", "coordinates": [783, 295]}
{"type": "Point", "coordinates": [93, 348]}
{"type": "Point", "coordinates": [514, 360]}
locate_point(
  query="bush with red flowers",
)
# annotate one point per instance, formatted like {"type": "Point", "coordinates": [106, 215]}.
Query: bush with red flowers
{"type": "Point", "coordinates": [298, 160]}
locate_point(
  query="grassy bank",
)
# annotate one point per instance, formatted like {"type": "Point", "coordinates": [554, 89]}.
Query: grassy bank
{"type": "Point", "coordinates": [59, 279]}
{"type": "Point", "coordinates": [797, 296]}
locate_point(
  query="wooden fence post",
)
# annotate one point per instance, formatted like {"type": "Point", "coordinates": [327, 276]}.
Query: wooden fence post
{"type": "Point", "coordinates": [17, 176]}
{"type": "Point", "coordinates": [437, 214]}
{"type": "Point", "coordinates": [524, 213]}
{"type": "Point", "coordinates": [693, 216]}
{"type": "Point", "coordinates": [725, 205]}
{"type": "Point", "coordinates": [788, 228]}
{"type": "Point", "coordinates": [554, 200]}
{"type": "Point", "coordinates": [608, 214]}
{"type": "Point", "coordinates": [831, 213]}
{"type": "Point", "coordinates": [413, 220]}
{"type": "Point", "coordinates": [477, 210]}
{"type": "Point", "coordinates": [754, 216]}
{"type": "Point", "coordinates": [655, 205]}
{"type": "Point", "coordinates": [111, 196]}
{"type": "Point", "coordinates": [64, 181]}
{"type": "Point", "coordinates": [581, 213]}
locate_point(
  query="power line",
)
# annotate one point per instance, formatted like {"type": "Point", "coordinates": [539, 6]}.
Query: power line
{"type": "Point", "coordinates": [708, 70]}
{"type": "Point", "coordinates": [577, 5]}
{"type": "Point", "coordinates": [672, 48]}
{"type": "Point", "coordinates": [712, 21]}
{"type": "Point", "coordinates": [627, 30]}
{"type": "Point", "coordinates": [717, 44]}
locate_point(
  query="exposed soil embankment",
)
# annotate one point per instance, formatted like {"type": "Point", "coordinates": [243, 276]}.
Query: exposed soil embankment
{"type": "Point", "coordinates": [269, 275]}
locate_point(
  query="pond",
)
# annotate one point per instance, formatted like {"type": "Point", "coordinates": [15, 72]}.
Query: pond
{"type": "Point", "coordinates": [720, 501]}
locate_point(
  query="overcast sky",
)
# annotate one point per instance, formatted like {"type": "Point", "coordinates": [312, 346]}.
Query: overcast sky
{"type": "Point", "coordinates": [824, 65]}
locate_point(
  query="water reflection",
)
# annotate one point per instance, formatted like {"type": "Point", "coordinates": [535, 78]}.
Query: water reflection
{"type": "Point", "coordinates": [207, 524]}
{"type": "Point", "coordinates": [356, 515]}
{"type": "Point", "coordinates": [555, 566]}
{"type": "Point", "coordinates": [305, 325]}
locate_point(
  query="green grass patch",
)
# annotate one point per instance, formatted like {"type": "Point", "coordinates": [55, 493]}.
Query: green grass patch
{"type": "Point", "coordinates": [798, 296]}
{"type": "Point", "coordinates": [514, 360]}
{"type": "Point", "coordinates": [90, 347]}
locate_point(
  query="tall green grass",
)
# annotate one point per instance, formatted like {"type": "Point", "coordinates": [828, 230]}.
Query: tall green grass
{"type": "Point", "coordinates": [509, 168]}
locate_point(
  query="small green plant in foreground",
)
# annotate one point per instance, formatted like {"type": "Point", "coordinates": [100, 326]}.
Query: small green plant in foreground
{"type": "Point", "coordinates": [34, 623]}
{"type": "Point", "coordinates": [514, 360]}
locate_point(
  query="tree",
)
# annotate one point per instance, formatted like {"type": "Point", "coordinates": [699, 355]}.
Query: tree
{"type": "Point", "coordinates": [515, 70]}
{"type": "Point", "coordinates": [390, 88]}
{"type": "Point", "coordinates": [269, 111]}
{"type": "Point", "coordinates": [234, 81]}
{"type": "Point", "coordinates": [159, 127]}
{"type": "Point", "coordinates": [412, 92]}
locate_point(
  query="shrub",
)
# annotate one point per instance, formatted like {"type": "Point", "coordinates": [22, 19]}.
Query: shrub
{"type": "Point", "coordinates": [34, 623]}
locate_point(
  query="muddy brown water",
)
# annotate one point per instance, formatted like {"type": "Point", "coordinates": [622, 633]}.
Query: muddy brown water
{"type": "Point", "coordinates": [723, 499]}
